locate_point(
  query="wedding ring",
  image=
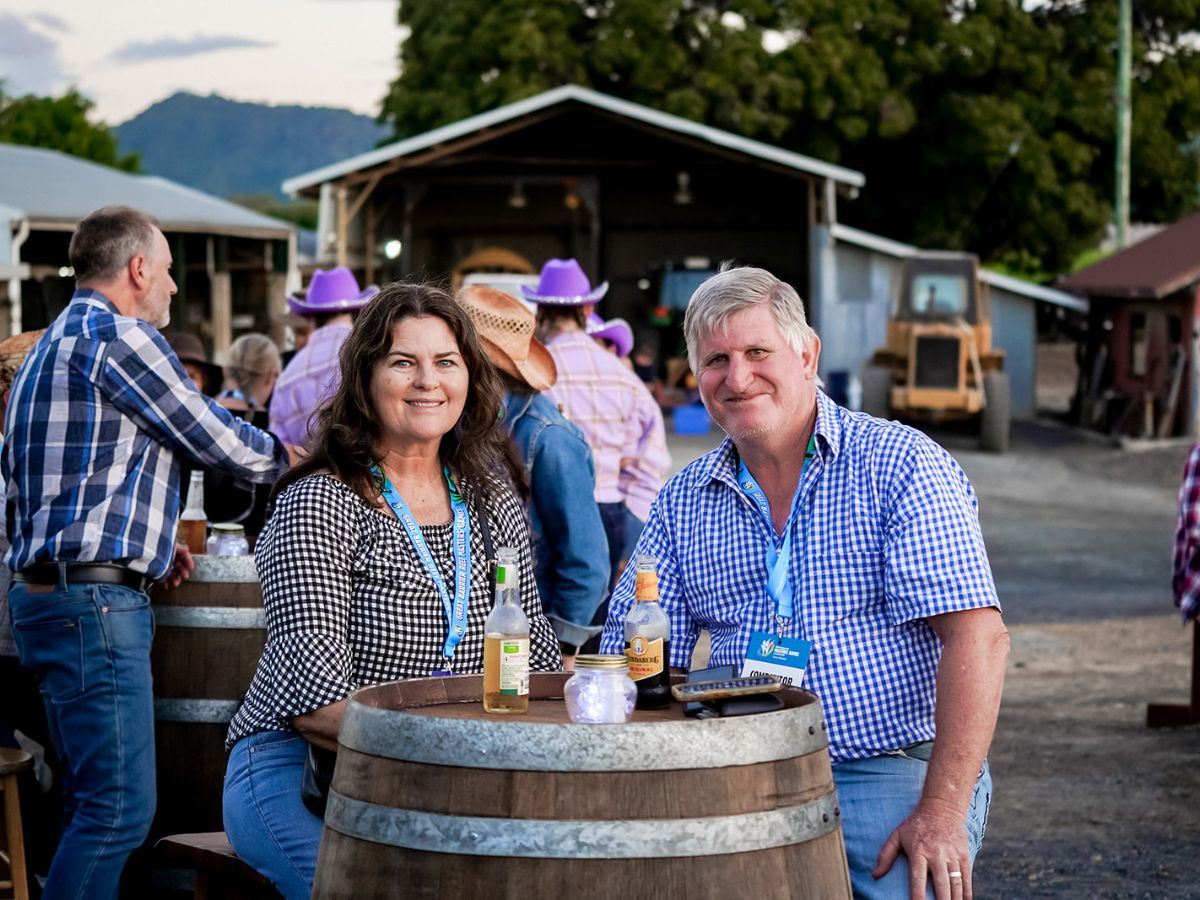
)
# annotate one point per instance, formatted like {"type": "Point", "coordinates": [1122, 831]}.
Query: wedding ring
{"type": "Point", "coordinates": [956, 874]}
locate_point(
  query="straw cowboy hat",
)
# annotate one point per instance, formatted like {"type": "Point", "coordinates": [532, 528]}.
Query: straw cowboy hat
{"type": "Point", "coordinates": [563, 283]}
{"type": "Point", "coordinates": [13, 351]}
{"type": "Point", "coordinates": [331, 292]}
{"type": "Point", "coordinates": [505, 329]}
{"type": "Point", "coordinates": [615, 330]}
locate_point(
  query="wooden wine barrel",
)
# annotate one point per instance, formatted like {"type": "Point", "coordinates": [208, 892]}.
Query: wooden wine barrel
{"type": "Point", "coordinates": [209, 634]}
{"type": "Point", "coordinates": [437, 799]}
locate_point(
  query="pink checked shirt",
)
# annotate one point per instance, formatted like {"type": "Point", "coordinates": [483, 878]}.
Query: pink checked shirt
{"type": "Point", "coordinates": [309, 380]}
{"type": "Point", "coordinates": [1186, 581]}
{"type": "Point", "coordinates": [618, 416]}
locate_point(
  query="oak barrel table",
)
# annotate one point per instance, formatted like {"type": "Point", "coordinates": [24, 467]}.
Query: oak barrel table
{"type": "Point", "coordinates": [209, 634]}
{"type": "Point", "coordinates": [433, 798]}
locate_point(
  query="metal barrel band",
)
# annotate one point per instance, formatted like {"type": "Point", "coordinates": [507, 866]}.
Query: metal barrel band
{"type": "Point", "coordinates": [545, 747]}
{"type": "Point", "coordinates": [209, 617]}
{"type": "Point", "coordinates": [582, 839]}
{"type": "Point", "coordinates": [198, 712]}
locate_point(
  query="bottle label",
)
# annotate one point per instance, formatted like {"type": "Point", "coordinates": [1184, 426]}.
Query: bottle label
{"type": "Point", "coordinates": [645, 657]}
{"type": "Point", "coordinates": [646, 585]}
{"type": "Point", "coordinates": [514, 667]}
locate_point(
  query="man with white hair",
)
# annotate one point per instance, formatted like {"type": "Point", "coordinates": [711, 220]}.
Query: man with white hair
{"type": "Point", "coordinates": [844, 552]}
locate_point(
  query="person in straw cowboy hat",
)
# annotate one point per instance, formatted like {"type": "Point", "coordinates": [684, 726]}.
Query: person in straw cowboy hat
{"type": "Point", "coordinates": [599, 394]}
{"type": "Point", "coordinates": [572, 577]}
{"type": "Point", "coordinates": [312, 376]}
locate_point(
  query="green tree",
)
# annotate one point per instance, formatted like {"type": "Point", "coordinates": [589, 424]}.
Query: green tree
{"type": "Point", "coordinates": [61, 123]}
{"type": "Point", "coordinates": [980, 124]}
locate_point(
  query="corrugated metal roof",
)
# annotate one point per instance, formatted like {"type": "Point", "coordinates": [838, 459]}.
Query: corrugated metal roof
{"type": "Point", "coordinates": [588, 97]}
{"type": "Point", "coordinates": [995, 279]}
{"type": "Point", "coordinates": [54, 189]}
{"type": "Point", "coordinates": [1152, 269]}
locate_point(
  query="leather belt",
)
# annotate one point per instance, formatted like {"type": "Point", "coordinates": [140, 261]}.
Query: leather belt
{"type": "Point", "coordinates": [85, 573]}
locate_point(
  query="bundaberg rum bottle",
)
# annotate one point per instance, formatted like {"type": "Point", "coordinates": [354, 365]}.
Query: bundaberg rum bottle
{"type": "Point", "coordinates": [648, 639]}
{"type": "Point", "coordinates": [506, 642]}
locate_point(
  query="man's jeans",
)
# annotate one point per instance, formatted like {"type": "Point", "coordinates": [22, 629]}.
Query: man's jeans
{"type": "Point", "coordinates": [875, 796]}
{"type": "Point", "coordinates": [267, 823]}
{"type": "Point", "coordinates": [89, 645]}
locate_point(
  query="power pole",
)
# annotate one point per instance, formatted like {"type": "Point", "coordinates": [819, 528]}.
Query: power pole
{"type": "Point", "coordinates": [1124, 120]}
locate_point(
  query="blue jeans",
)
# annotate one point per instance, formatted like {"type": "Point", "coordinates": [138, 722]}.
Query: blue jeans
{"type": "Point", "coordinates": [876, 795]}
{"type": "Point", "coordinates": [267, 823]}
{"type": "Point", "coordinates": [89, 646]}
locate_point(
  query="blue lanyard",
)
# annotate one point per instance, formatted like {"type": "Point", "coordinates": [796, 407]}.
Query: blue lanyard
{"type": "Point", "coordinates": [779, 586]}
{"type": "Point", "coordinates": [236, 394]}
{"type": "Point", "coordinates": [456, 611]}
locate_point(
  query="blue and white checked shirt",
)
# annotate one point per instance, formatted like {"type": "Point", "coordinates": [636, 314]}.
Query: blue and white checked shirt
{"type": "Point", "coordinates": [99, 411]}
{"type": "Point", "coordinates": [885, 533]}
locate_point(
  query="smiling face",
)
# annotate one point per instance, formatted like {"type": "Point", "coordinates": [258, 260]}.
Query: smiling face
{"type": "Point", "coordinates": [418, 389]}
{"type": "Point", "coordinates": [756, 386]}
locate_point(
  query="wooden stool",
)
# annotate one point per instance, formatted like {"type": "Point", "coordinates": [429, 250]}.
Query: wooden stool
{"type": "Point", "coordinates": [219, 872]}
{"type": "Point", "coordinates": [12, 763]}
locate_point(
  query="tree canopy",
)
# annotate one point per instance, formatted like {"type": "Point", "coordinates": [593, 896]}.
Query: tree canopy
{"type": "Point", "coordinates": [61, 123]}
{"type": "Point", "coordinates": [979, 124]}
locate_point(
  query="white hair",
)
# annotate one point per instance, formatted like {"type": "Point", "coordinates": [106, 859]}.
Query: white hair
{"type": "Point", "coordinates": [734, 289]}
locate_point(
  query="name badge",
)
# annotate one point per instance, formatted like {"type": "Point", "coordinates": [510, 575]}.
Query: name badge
{"type": "Point", "coordinates": [785, 658]}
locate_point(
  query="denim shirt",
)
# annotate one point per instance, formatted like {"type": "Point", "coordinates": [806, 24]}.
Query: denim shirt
{"type": "Point", "coordinates": [569, 548]}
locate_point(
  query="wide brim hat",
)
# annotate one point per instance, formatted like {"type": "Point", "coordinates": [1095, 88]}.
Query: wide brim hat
{"type": "Point", "coordinates": [562, 283]}
{"type": "Point", "coordinates": [13, 351]}
{"type": "Point", "coordinates": [190, 349]}
{"type": "Point", "coordinates": [615, 330]}
{"type": "Point", "coordinates": [505, 329]}
{"type": "Point", "coordinates": [331, 292]}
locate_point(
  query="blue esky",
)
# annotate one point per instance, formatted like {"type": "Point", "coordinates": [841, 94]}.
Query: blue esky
{"type": "Point", "coordinates": [128, 54]}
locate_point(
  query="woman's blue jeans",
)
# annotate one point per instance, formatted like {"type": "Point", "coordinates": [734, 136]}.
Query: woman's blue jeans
{"type": "Point", "coordinates": [267, 823]}
{"type": "Point", "coordinates": [89, 645]}
{"type": "Point", "coordinates": [876, 795]}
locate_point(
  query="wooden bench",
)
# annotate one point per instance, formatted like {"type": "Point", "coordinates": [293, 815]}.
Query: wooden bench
{"type": "Point", "coordinates": [220, 875]}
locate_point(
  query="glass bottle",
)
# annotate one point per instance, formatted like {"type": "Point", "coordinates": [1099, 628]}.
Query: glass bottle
{"type": "Point", "coordinates": [193, 523]}
{"type": "Point", "coordinates": [600, 692]}
{"type": "Point", "coordinates": [648, 639]}
{"type": "Point", "coordinates": [228, 539]}
{"type": "Point", "coordinates": [506, 642]}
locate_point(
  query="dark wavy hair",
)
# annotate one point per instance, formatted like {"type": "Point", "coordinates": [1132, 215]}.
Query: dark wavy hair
{"type": "Point", "coordinates": [477, 449]}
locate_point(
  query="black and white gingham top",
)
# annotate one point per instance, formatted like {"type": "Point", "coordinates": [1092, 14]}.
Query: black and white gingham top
{"type": "Point", "coordinates": [349, 604]}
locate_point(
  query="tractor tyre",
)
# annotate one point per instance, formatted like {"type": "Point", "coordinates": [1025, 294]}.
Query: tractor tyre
{"type": "Point", "coordinates": [876, 391]}
{"type": "Point", "coordinates": [996, 419]}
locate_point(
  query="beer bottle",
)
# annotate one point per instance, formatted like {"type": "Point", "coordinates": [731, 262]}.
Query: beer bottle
{"type": "Point", "coordinates": [506, 642]}
{"type": "Point", "coordinates": [648, 639]}
{"type": "Point", "coordinates": [193, 523]}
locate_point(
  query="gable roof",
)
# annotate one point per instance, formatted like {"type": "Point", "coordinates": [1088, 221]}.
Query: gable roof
{"type": "Point", "coordinates": [566, 94]}
{"type": "Point", "coordinates": [1007, 283]}
{"type": "Point", "coordinates": [1150, 269]}
{"type": "Point", "coordinates": [54, 191]}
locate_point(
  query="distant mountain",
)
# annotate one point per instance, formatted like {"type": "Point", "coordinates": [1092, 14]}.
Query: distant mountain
{"type": "Point", "coordinates": [226, 147]}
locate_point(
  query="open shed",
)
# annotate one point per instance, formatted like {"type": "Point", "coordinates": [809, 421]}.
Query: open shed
{"type": "Point", "coordinates": [1140, 366]}
{"type": "Point", "coordinates": [232, 265]}
{"type": "Point", "coordinates": [637, 195]}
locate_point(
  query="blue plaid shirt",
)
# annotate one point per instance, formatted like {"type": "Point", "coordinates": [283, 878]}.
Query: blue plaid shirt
{"type": "Point", "coordinates": [99, 411]}
{"type": "Point", "coordinates": [885, 533]}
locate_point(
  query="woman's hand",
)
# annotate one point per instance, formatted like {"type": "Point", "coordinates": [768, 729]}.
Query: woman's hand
{"type": "Point", "coordinates": [321, 726]}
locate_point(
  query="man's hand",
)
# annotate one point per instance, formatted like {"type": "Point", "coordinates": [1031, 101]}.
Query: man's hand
{"type": "Point", "coordinates": [934, 838]}
{"type": "Point", "coordinates": [181, 567]}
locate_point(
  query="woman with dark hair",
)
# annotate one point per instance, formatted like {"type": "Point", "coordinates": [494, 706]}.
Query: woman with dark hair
{"type": "Point", "coordinates": [373, 539]}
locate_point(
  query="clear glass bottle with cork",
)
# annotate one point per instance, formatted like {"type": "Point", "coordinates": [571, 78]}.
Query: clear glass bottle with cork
{"type": "Point", "coordinates": [648, 639]}
{"type": "Point", "coordinates": [506, 642]}
{"type": "Point", "coordinates": [193, 522]}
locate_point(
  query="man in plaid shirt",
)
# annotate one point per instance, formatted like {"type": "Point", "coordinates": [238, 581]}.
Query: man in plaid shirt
{"type": "Point", "coordinates": [1186, 580]}
{"type": "Point", "coordinates": [100, 411]}
{"type": "Point", "coordinates": [867, 545]}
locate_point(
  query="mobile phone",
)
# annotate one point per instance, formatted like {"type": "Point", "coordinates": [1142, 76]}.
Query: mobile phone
{"type": "Point", "coordinates": [714, 673]}
{"type": "Point", "coordinates": [720, 690]}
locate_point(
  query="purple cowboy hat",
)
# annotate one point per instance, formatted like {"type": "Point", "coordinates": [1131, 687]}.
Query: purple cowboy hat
{"type": "Point", "coordinates": [564, 284]}
{"type": "Point", "coordinates": [331, 292]}
{"type": "Point", "coordinates": [615, 330]}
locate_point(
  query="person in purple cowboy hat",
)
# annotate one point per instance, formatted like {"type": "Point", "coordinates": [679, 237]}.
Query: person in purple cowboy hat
{"type": "Point", "coordinates": [332, 301]}
{"type": "Point", "coordinates": [609, 403]}
{"type": "Point", "coordinates": [614, 335]}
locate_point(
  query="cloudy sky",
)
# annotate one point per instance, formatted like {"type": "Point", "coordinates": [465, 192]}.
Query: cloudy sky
{"type": "Point", "coordinates": [127, 54]}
